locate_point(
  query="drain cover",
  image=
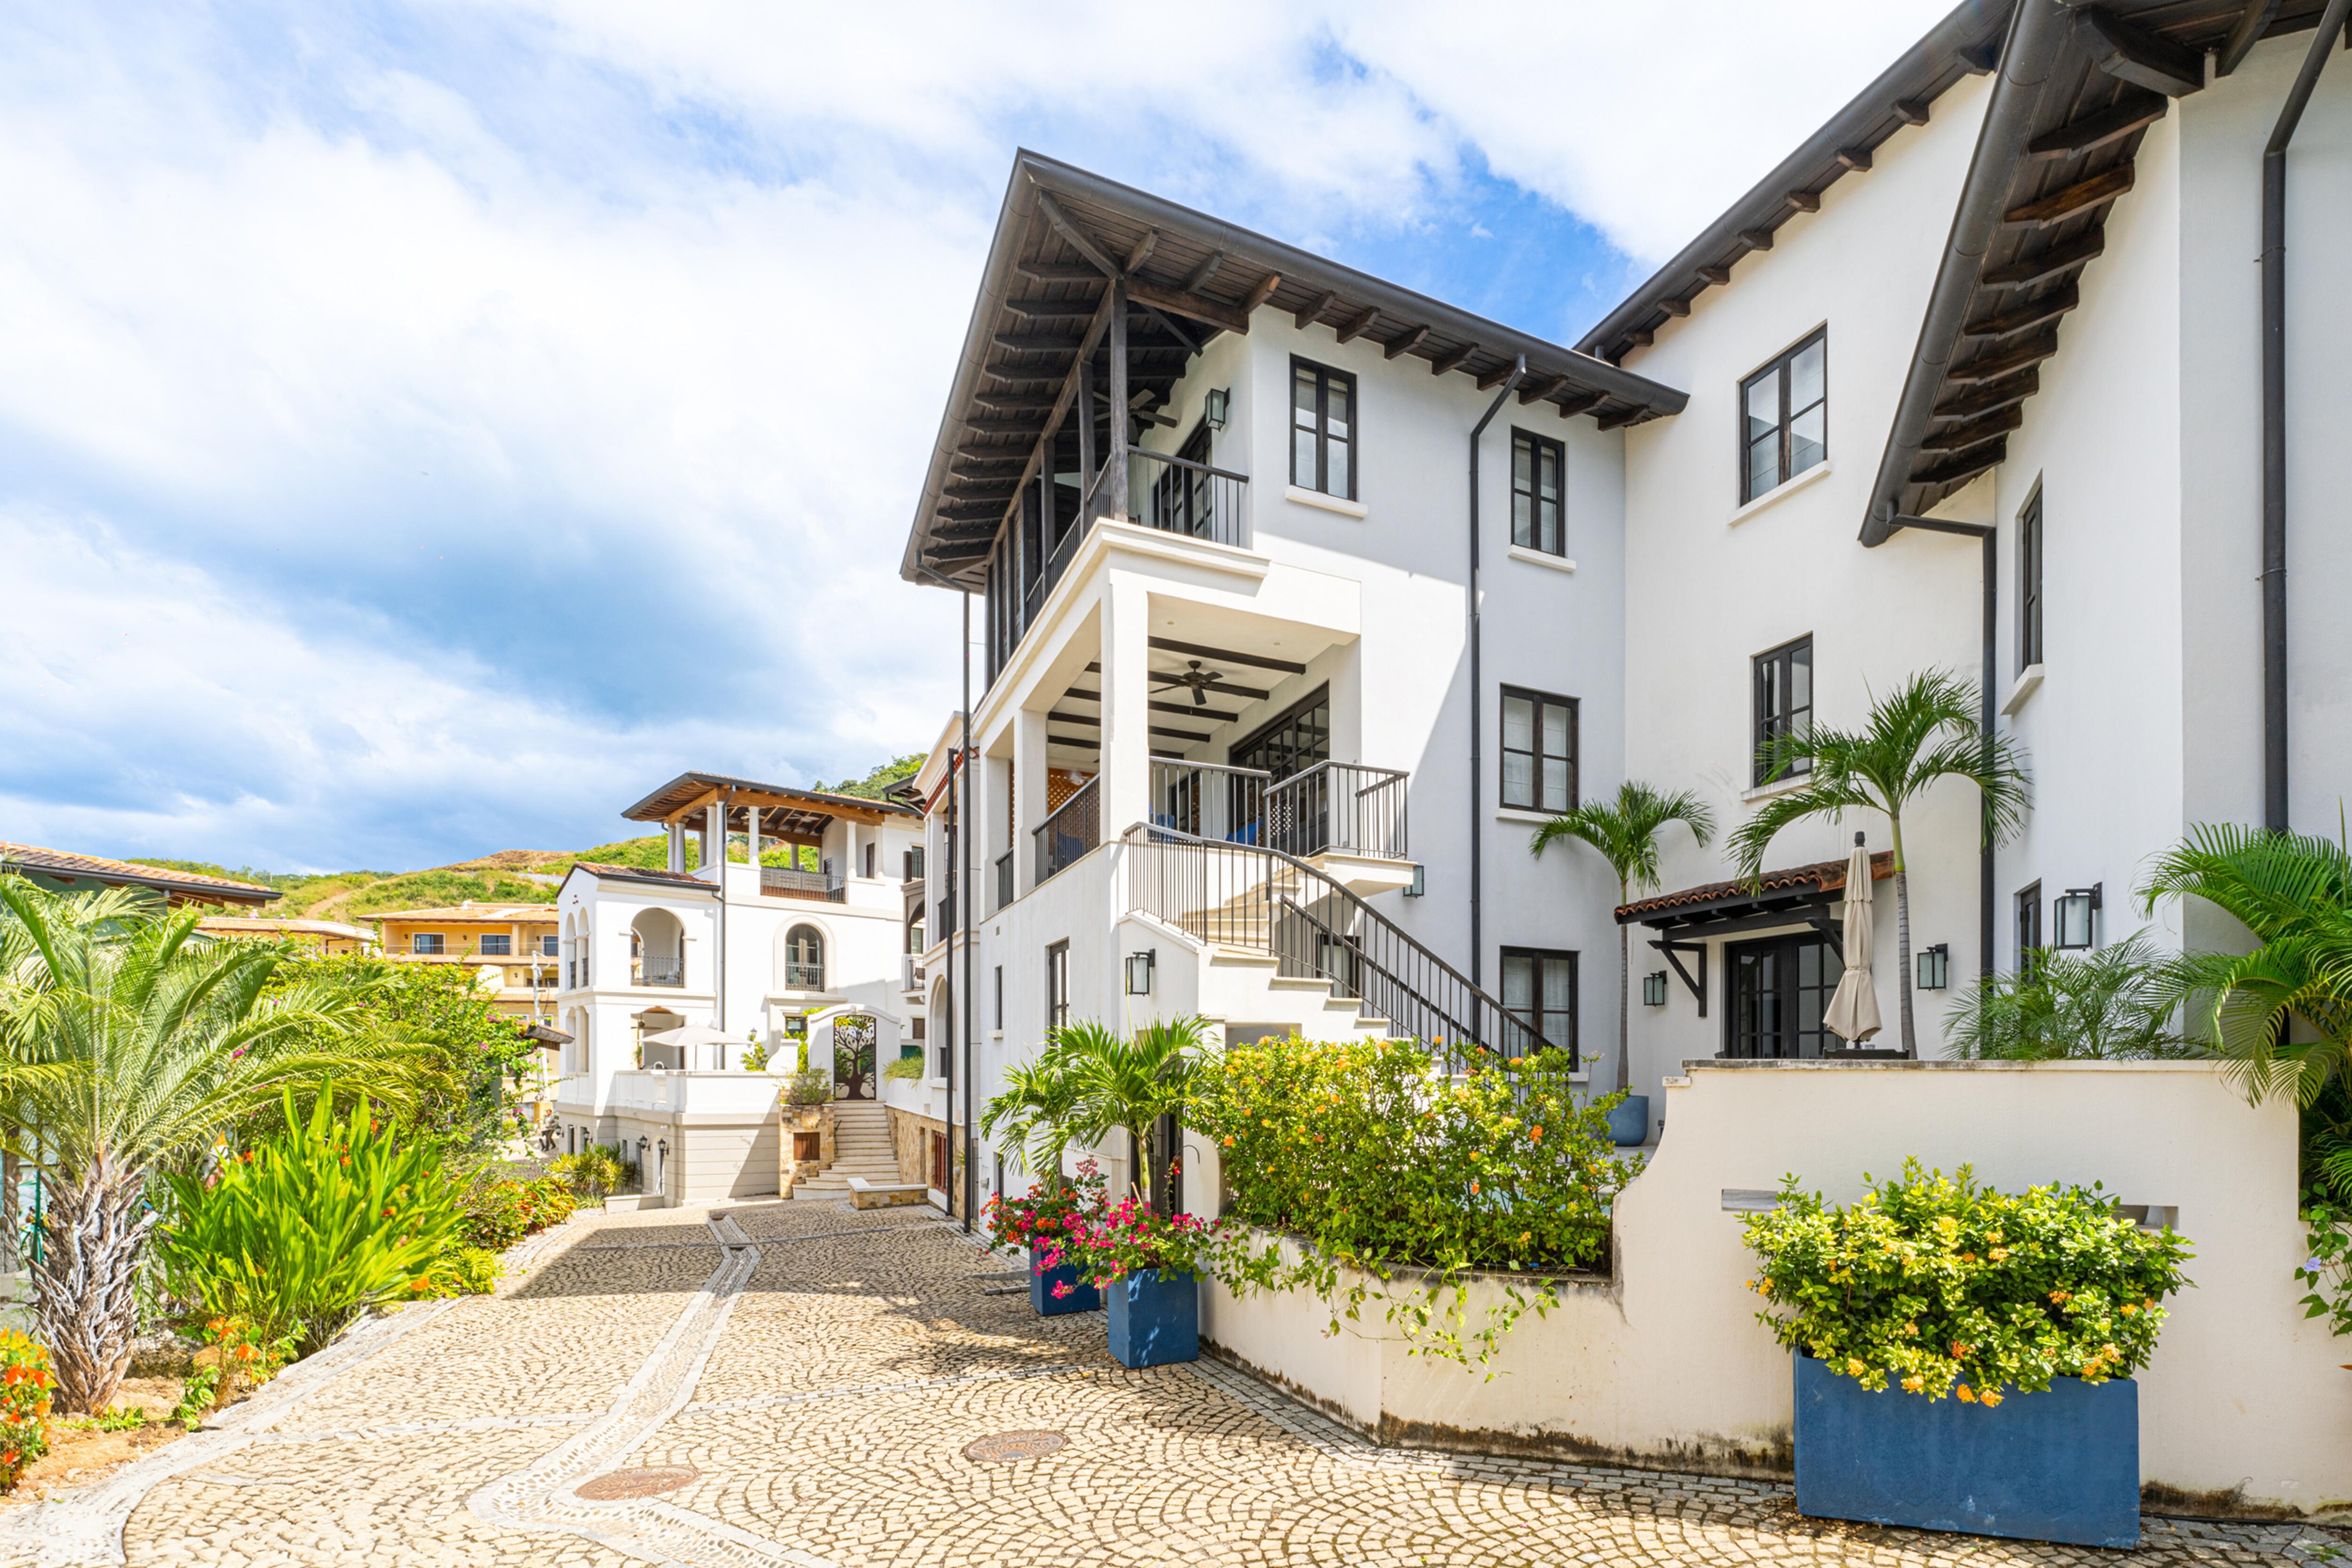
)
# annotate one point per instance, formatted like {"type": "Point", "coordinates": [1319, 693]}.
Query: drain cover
{"type": "Point", "coordinates": [1009, 1447]}
{"type": "Point", "coordinates": [614, 1486]}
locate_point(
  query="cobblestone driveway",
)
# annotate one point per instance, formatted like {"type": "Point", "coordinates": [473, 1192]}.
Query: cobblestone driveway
{"type": "Point", "coordinates": [820, 1373]}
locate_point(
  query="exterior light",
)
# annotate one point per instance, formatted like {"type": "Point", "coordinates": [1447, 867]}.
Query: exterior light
{"type": "Point", "coordinates": [1415, 888]}
{"type": "Point", "coordinates": [1216, 405]}
{"type": "Point", "coordinates": [1935, 966]}
{"type": "Point", "coordinates": [2075, 913]}
{"type": "Point", "coordinates": [1654, 989]}
{"type": "Point", "coordinates": [1138, 972]}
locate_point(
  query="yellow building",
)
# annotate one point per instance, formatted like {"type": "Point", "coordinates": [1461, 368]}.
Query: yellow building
{"type": "Point", "coordinates": [326, 936]}
{"type": "Point", "coordinates": [510, 947]}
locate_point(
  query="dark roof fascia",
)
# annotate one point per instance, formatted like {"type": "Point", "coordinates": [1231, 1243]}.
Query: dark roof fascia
{"type": "Point", "coordinates": [2038, 33]}
{"type": "Point", "coordinates": [1247, 250]}
{"type": "Point", "coordinates": [685, 882]}
{"type": "Point", "coordinates": [644, 810]}
{"type": "Point", "coordinates": [1924, 73]}
{"type": "Point", "coordinates": [208, 891]}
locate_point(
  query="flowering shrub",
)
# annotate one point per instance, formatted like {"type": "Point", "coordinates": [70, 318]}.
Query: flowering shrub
{"type": "Point", "coordinates": [500, 1213]}
{"type": "Point", "coordinates": [25, 1383]}
{"type": "Point", "coordinates": [1366, 1153]}
{"type": "Point", "coordinates": [1133, 1238]}
{"type": "Point", "coordinates": [589, 1175]}
{"type": "Point", "coordinates": [1049, 1219]}
{"type": "Point", "coordinates": [1942, 1286]}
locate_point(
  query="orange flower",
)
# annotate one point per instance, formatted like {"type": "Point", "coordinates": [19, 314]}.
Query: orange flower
{"type": "Point", "coordinates": [1968, 1395]}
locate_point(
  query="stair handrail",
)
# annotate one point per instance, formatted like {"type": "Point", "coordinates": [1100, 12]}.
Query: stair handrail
{"type": "Point", "coordinates": [1144, 834]}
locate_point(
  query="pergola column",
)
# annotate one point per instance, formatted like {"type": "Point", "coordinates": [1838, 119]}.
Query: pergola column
{"type": "Point", "coordinates": [714, 841]}
{"type": "Point", "coordinates": [1125, 786]}
{"type": "Point", "coordinates": [676, 834]}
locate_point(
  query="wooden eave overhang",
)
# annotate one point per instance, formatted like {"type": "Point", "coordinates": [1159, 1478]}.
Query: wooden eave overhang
{"type": "Point", "coordinates": [1792, 893]}
{"type": "Point", "coordinates": [1044, 302]}
{"type": "Point", "coordinates": [2078, 87]}
{"type": "Point", "coordinates": [786, 814]}
{"type": "Point", "coordinates": [1964, 43]}
{"type": "Point", "coordinates": [178, 887]}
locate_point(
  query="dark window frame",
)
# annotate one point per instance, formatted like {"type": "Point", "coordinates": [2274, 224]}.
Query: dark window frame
{"type": "Point", "coordinates": [1319, 697]}
{"type": "Point", "coordinates": [1325, 376]}
{"type": "Point", "coordinates": [1789, 946]}
{"type": "Point", "coordinates": [417, 940]}
{"type": "Point", "coordinates": [999, 1024]}
{"type": "Point", "coordinates": [1531, 536]}
{"type": "Point", "coordinates": [1764, 725]}
{"type": "Point", "coordinates": [2026, 915]}
{"type": "Point", "coordinates": [2029, 544]}
{"type": "Point", "coordinates": [1058, 984]}
{"type": "Point", "coordinates": [1778, 368]}
{"type": "Point", "coordinates": [1542, 959]}
{"type": "Point", "coordinates": [1504, 751]}
{"type": "Point", "coordinates": [504, 951]}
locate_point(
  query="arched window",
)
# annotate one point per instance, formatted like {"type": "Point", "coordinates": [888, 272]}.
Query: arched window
{"type": "Point", "coordinates": [804, 959]}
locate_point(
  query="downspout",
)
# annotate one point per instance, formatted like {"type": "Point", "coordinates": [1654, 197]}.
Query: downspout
{"type": "Point", "coordinates": [2275, 715]}
{"type": "Point", "coordinates": [1477, 692]}
{"type": "Point", "coordinates": [718, 956]}
{"type": "Point", "coordinates": [965, 873]}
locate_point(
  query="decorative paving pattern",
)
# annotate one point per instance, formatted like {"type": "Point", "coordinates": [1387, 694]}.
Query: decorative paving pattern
{"type": "Point", "coordinates": [802, 1384]}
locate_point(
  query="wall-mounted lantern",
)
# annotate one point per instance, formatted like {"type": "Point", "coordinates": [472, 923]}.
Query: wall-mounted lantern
{"type": "Point", "coordinates": [1415, 888]}
{"type": "Point", "coordinates": [1654, 989]}
{"type": "Point", "coordinates": [1138, 972]}
{"type": "Point", "coordinates": [1936, 967]}
{"type": "Point", "coordinates": [2075, 914]}
{"type": "Point", "coordinates": [1216, 406]}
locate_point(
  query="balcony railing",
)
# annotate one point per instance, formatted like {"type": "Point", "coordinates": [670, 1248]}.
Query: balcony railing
{"type": "Point", "coordinates": [1175, 495]}
{"type": "Point", "coordinates": [803, 976]}
{"type": "Point", "coordinates": [1004, 879]}
{"type": "Point", "coordinates": [783, 882]}
{"type": "Point", "coordinates": [1072, 830]}
{"type": "Point", "coordinates": [1344, 808]}
{"type": "Point", "coordinates": [657, 971]}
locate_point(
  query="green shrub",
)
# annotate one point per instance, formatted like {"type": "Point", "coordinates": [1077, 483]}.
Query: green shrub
{"type": "Point", "coordinates": [589, 1175]}
{"type": "Point", "coordinates": [755, 1057]}
{"type": "Point", "coordinates": [809, 1087]}
{"type": "Point", "coordinates": [1365, 1153]}
{"type": "Point", "coordinates": [25, 1383]}
{"type": "Point", "coordinates": [298, 1236]}
{"type": "Point", "coordinates": [466, 1271]}
{"type": "Point", "coordinates": [1947, 1287]}
{"type": "Point", "coordinates": [2328, 1270]}
{"type": "Point", "coordinates": [904, 1067]}
{"type": "Point", "coordinates": [500, 1213]}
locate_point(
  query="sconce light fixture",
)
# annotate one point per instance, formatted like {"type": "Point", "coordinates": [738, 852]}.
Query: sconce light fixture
{"type": "Point", "coordinates": [2075, 913]}
{"type": "Point", "coordinates": [1935, 966]}
{"type": "Point", "coordinates": [1216, 405]}
{"type": "Point", "coordinates": [1138, 972]}
{"type": "Point", "coordinates": [1654, 989]}
{"type": "Point", "coordinates": [1415, 888]}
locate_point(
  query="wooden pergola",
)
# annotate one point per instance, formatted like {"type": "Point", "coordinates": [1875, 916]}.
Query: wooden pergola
{"type": "Point", "coordinates": [774, 813]}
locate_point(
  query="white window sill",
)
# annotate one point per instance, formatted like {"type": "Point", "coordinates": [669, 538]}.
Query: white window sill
{"type": "Point", "coordinates": [1345, 507]}
{"type": "Point", "coordinates": [2029, 681]}
{"type": "Point", "coordinates": [1538, 558]}
{"type": "Point", "coordinates": [1522, 814]}
{"type": "Point", "coordinates": [1812, 475]}
{"type": "Point", "coordinates": [1778, 787]}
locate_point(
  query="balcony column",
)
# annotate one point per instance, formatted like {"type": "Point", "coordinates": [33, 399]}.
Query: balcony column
{"type": "Point", "coordinates": [1124, 791]}
{"type": "Point", "coordinates": [1115, 482]}
{"type": "Point", "coordinates": [1028, 795]}
{"type": "Point", "coordinates": [714, 842]}
{"type": "Point", "coordinates": [677, 835]}
{"type": "Point", "coordinates": [752, 813]}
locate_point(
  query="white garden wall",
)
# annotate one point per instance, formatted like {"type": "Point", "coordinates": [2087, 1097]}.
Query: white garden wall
{"type": "Point", "coordinates": [2245, 1404]}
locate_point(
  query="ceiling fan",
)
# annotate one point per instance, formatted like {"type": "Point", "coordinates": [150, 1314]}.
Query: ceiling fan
{"type": "Point", "coordinates": [1196, 679]}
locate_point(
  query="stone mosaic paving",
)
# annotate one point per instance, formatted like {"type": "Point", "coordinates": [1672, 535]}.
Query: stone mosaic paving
{"type": "Point", "coordinates": [821, 1372]}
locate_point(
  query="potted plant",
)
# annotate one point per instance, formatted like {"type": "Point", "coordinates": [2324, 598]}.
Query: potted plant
{"type": "Point", "coordinates": [1149, 1266]}
{"type": "Point", "coordinates": [1964, 1356]}
{"type": "Point", "coordinates": [1045, 1225]}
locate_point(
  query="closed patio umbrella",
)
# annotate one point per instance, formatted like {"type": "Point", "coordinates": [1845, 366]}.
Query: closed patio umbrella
{"type": "Point", "coordinates": [687, 1038]}
{"type": "Point", "coordinates": [1852, 1014]}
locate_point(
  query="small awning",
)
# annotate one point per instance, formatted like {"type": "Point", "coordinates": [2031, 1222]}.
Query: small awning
{"type": "Point", "coordinates": [1799, 895]}
{"type": "Point", "coordinates": [546, 1036]}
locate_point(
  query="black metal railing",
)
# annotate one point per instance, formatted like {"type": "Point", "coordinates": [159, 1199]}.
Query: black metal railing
{"type": "Point", "coordinates": [1342, 807]}
{"type": "Point", "coordinates": [1210, 801]}
{"type": "Point", "coordinates": [803, 976]}
{"type": "Point", "coordinates": [1074, 829]}
{"type": "Point", "coordinates": [657, 970]}
{"type": "Point", "coordinates": [1004, 879]}
{"type": "Point", "coordinates": [1259, 899]}
{"type": "Point", "coordinates": [785, 883]}
{"type": "Point", "coordinates": [1178, 496]}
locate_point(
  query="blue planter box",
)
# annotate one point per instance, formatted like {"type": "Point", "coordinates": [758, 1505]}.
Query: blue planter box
{"type": "Point", "coordinates": [1155, 1318]}
{"type": "Point", "coordinates": [2059, 1466]}
{"type": "Point", "coordinates": [1082, 1296]}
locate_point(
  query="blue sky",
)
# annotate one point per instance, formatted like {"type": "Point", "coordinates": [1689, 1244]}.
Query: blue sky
{"type": "Point", "coordinates": [426, 427]}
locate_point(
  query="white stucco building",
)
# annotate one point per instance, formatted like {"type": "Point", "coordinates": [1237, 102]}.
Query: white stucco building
{"type": "Point", "coordinates": [1271, 556]}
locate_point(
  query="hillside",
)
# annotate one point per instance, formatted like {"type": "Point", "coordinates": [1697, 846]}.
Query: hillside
{"type": "Point", "coordinates": [507, 876]}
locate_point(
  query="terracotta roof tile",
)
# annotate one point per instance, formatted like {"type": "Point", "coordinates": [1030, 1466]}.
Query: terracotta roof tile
{"type": "Point", "coordinates": [1824, 877]}
{"type": "Point", "coordinates": [97, 868]}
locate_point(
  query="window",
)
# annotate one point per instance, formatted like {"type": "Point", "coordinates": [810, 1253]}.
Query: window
{"type": "Point", "coordinates": [1536, 465]}
{"type": "Point", "coordinates": [1294, 742]}
{"type": "Point", "coordinates": [915, 865]}
{"type": "Point", "coordinates": [497, 946]}
{"type": "Point", "coordinates": [2028, 927]}
{"type": "Point", "coordinates": [871, 852]}
{"type": "Point", "coordinates": [1322, 430]}
{"type": "Point", "coordinates": [1784, 704]}
{"type": "Point", "coordinates": [804, 959]}
{"type": "Point", "coordinates": [1539, 990]}
{"type": "Point", "coordinates": [1539, 751]}
{"type": "Point", "coordinates": [547, 947]}
{"type": "Point", "coordinates": [1784, 426]}
{"type": "Point", "coordinates": [2029, 582]}
{"type": "Point", "coordinates": [425, 943]}
{"type": "Point", "coordinates": [1057, 984]}
{"type": "Point", "coordinates": [999, 1024]}
{"type": "Point", "coordinates": [1780, 989]}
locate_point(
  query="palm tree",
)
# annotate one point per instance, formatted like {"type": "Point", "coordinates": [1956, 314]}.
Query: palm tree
{"type": "Point", "coordinates": [1033, 1112]}
{"type": "Point", "coordinates": [2293, 892]}
{"type": "Point", "coordinates": [1925, 730]}
{"type": "Point", "coordinates": [1625, 832]}
{"type": "Point", "coordinates": [1128, 1084]}
{"type": "Point", "coordinates": [129, 1046]}
{"type": "Point", "coordinates": [2109, 1005]}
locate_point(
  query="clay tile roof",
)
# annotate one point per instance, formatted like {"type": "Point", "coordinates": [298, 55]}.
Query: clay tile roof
{"type": "Point", "coordinates": [487, 913]}
{"type": "Point", "coordinates": [642, 874]}
{"type": "Point", "coordinates": [180, 885]}
{"type": "Point", "coordinates": [266, 926]}
{"type": "Point", "coordinates": [1821, 876]}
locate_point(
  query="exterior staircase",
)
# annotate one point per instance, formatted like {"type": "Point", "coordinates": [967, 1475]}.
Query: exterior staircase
{"type": "Point", "coordinates": [861, 1147]}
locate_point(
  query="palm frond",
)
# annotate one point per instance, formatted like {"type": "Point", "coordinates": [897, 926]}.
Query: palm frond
{"type": "Point", "coordinates": [1624, 831]}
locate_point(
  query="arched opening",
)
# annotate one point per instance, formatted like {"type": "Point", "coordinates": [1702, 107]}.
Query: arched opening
{"type": "Point", "coordinates": [804, 960]}
{"type": "Point", "coordinates": [656, 949]}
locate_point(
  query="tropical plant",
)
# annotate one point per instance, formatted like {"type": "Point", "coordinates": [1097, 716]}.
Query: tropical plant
{"type": "Point", "coordinates": [499, 1211]}
{"type": "Point", "coordinates": [1127, 1083]}
{"type": "Point", "coordinates": [2110, 1004]}
{"type": "Point", "coordinates": [809, 1086]}
{"type": "Point", "coordinates": [905, 1067]}
{"type": "Point", "coordinates": [465, 1271]}
{"type": "Point", "coordinates": [590, 1174]}
{"type": "Point", "coordinates": [1923, 731]}
{"type": "Point", "coordinates": [1029, 1118]}
{"type": "Point", "coordinates": [1945, 1286]}
{"type": "Point", "coordinates": [26, 1380]}
{"type": "Point", "coordinates": [296, 1237]}
{"type": "Point", "coordinates": [755, 1057]}
{"type": "Point", "coordinates": [1625, 833]}
{"type": "Point", "coordinates": [133, 1047]}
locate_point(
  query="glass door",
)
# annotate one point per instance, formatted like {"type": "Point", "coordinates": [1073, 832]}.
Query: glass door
{"type": "Point", "coordinates": [1780, 988]}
